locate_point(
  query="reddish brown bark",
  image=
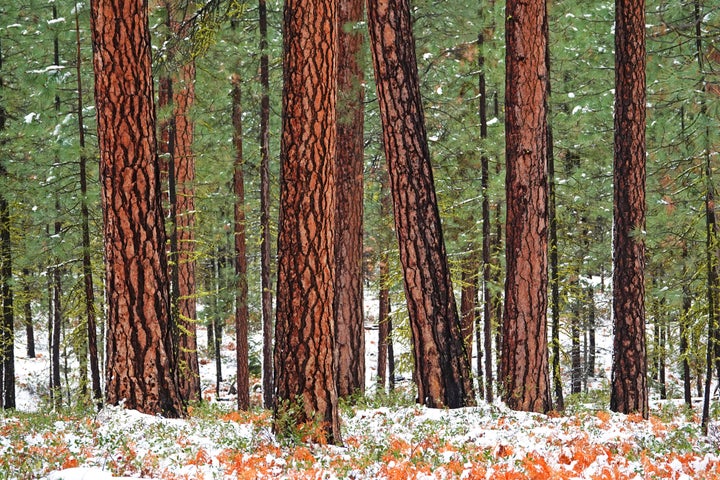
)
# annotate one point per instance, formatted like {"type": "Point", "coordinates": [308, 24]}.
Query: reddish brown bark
{"type": "Point", "coordinates": [629, 391]}
{"type": "Point", "coordinates": [140, 366]}
{"type": "Point", "coordinates": [305, 326]}
{"type": "Point", "coordinates": [441, 366]}
{"type": "Point", "coordinates": [524, 366]}
{"type": "Point", "coordinates": [184, 169]}
{"type": "Point", "coordinates": [349, 325]}
{"type": "Point", "coordinates": [241, 292]}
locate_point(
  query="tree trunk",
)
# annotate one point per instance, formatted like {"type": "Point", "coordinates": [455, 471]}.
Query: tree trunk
{"type": "Point", "coordinates": [140, 365]}
{"type": "Point", "coordinates": [592, 349]}
{"type": "Point", "coordinates": [576, 368]}
{"type": "Point", "coordinates": [629, 392]}
{"type": "Point", "coordinates": [442, 369]}
{"type": "Point", "coordinates": [241, 292]}
{"type": "Point", "coordinates": [184, 169]}
{"type": "Point", "coordinates": [7, 336]}
{"type": "Point", "coordinates": [383, 322]}
{"type": "Point", "coordinates": [524, 365]}
{"type": "Point", "coordinates": [305, 326]}
{"type": "Point", "coordinates": [267, 313]}
{"type": "Point", "coordinates": [349, 322]}
{"type": "Point", "coordinates": [27, 314]}
{"type": "Point", "coordinates": [91, 317]}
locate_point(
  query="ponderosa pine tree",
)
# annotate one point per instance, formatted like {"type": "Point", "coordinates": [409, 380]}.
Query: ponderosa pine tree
{"type": "Point", "coordinates": [140, 368]}
{"type": "Point", "coordinates": [241, 291]}
{"type": "Point", "coordinates": [349, 326]}
{"type": "Point", "coordinates": [442, 369]}
{"type": "Point", "coordinates": [629, 391]}
{"type": "Point", "coordinates": [524, 363]}
{"type": "Point", "coordinates": [305, 325]}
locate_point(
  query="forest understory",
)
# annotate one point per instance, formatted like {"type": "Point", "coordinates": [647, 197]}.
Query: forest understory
{"type": "Point", "coordinates": [385, 435]}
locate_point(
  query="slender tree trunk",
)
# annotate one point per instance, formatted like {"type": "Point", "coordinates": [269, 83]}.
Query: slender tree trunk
{"type": "Point", "coordinates": [441, 365]}
{"type": "Point", "coordinates": [267, 313]}
{"type": "Point", "coordinates": [576, 368]}
{"type": "Point", "coordinates": [349, 322]}
{"type": "Point", "coordinates": [305, 326]}
{"type": "Point", "coordinates": [629, 391]}
{"type": "Point", "coordinates": [91, 317]}
{"type": "Point", "coordinates": [140, 366]}
{"type": "Point", "coordinates": [57, 320]}
{"type": "Point", "coordinates": [524, 366]}
{"type": "Point", "coordinates": [390, 350]}
{"type": "Point", "coordinates": [383, 322]}
{"type": "Point", "coordinates": [7, 336]}
{"type": "Point", "coordinates": [241, 292]}
{"type": "Point", "coordinates": [553, 253]}
{"type": "Point", "coordinates": [27, 314]}
{"type": "Point", "coordinates": [592, 349]}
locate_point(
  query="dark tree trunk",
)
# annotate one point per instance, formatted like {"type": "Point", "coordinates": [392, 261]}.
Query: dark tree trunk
{"type": "Point", "coordinates": [267, 313]}
{"type": "Point", "coordinates": [349, 325]}
{"type": "Point", "coordinates": [305, 326]}
{"type": "Point", "coordinates": [90, 314]}
{"type": "Point", "coordinates": [524, 365]}
{"type": "Point", "coordinates": [241, 291]}
{"type": "Point", "coordinates": [27, 314]}
{"type": "Point", "coordinates": [576, 367]}
{"type": "Point", "coordinates": [553, 253]}
{"type": "Point", "coordinates": [140, 365]}
{"type": "Point", "coordinates": [57, 320]}
{"type": "Point", "coordinates": [7, 336]}
{"type": "Point", "coordinates": [442, 369]}
{"type": "Point", "coordinates": [629, 392]}
{"type": "Point", "coordinates": [592, 349]}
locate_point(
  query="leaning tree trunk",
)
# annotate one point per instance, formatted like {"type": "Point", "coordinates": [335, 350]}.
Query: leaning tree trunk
{"type": "Point", "coordinates": [241, 291]}
{"type": "Point", "coordinates": [442, 369]}
{"type": "Point", "coordinates": [140, 368]}
{"type": "Point", "coordinates": [629, 392]}
{"type": "Point", "coordinates": [349, 326]}
{"type": "Point", "coordinates": [305, 326]}
{"type": "Point", "coordinates": [524, 364]}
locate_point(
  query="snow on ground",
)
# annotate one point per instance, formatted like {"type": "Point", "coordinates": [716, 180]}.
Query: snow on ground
{"type": "Point", "coordinates": [379, 441]}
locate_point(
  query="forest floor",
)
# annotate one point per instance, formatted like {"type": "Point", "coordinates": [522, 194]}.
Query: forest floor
{"type": "Point", "coordinates": [384, 436]}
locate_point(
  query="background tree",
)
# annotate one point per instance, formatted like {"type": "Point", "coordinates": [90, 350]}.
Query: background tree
{"type": "Point", "coordinates": [629, 372]}
{"type": "Point", "coordinates": [524, 364]}
{"type": "Point", "coordinates": [140, 366]}
{"type": "Point", "coordinates": [305, 326]}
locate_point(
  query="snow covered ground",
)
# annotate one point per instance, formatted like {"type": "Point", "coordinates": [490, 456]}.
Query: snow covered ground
{"type": "Point", "coordinates": [393, 439]}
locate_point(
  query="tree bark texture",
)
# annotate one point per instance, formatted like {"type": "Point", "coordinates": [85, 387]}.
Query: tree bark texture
{"type": "Point", "coordinates": [524, 366]}
{"type": "Point", "coordinates": [442, 369]}
{"type": "Point", "coordinates": [241, 292]}
{"type": "Point", "coordinates": [305, 326]}
{"type": "Point", "coordinates": [629, 390]}
{"type": "Point", "coordinates": [349, 322]}
{"type": "Point", "coordinates": [7, 337]}
{"type": "Point", "coordinates": [184, 169]}
{"type": "Point", "coordinates": [140, 369]}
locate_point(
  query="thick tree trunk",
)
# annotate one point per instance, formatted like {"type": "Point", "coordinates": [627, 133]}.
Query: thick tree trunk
{"type": "Point", "coordinates": [305, 326]}
{"type": "Point", "coordinates": [524, 365]}
{"type": "Point", "coordinates": [349, 322]}
{"type": "Point", "coordinates": [140, 365]}
{"type": "Point", "coordinates": [629, 392]}
{"type": "Point", "coordinates": [267, 316]}
{"type": "Point", "coordinates": [241, 291]}
{"type": "Point", "coordinates": [441, 365]}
